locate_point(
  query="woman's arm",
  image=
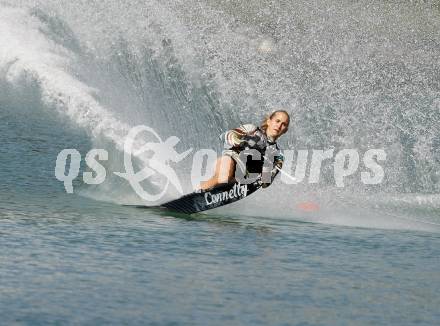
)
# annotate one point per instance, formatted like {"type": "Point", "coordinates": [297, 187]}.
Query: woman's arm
{"type": "Point", "coordinates": [278, 160]}
{"type": "Point", "coordinates": [235, 137]}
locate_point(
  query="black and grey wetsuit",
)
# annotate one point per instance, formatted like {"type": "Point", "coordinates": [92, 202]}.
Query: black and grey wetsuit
{"type": "Point", "coordinates": [235, 143]}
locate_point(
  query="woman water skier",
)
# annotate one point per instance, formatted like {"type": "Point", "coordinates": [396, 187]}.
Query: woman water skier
{"type": "Point", "coordinates": [249, 137]}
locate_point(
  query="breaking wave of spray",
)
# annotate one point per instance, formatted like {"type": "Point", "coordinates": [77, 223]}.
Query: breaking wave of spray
{"type": "Point", "coordinates": [354, 75]}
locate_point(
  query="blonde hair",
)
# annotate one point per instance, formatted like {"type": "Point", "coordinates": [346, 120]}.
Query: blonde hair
{"type": "Point", "coordinates": [263, 125]}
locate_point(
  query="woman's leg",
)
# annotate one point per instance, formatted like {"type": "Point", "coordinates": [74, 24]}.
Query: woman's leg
{"type": "Point", "coordinates": [224, 172]}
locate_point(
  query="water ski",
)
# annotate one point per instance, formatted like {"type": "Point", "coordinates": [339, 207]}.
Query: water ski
{"type": "Point", "coordinates": [215, 197]}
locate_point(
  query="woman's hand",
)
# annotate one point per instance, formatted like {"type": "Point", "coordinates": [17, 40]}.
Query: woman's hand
{"type": "Point", "coordinates": [254, 141]}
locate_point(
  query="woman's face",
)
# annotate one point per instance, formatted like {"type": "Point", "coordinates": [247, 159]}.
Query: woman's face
{"type": "Point", "coordinates": [277, 125]}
